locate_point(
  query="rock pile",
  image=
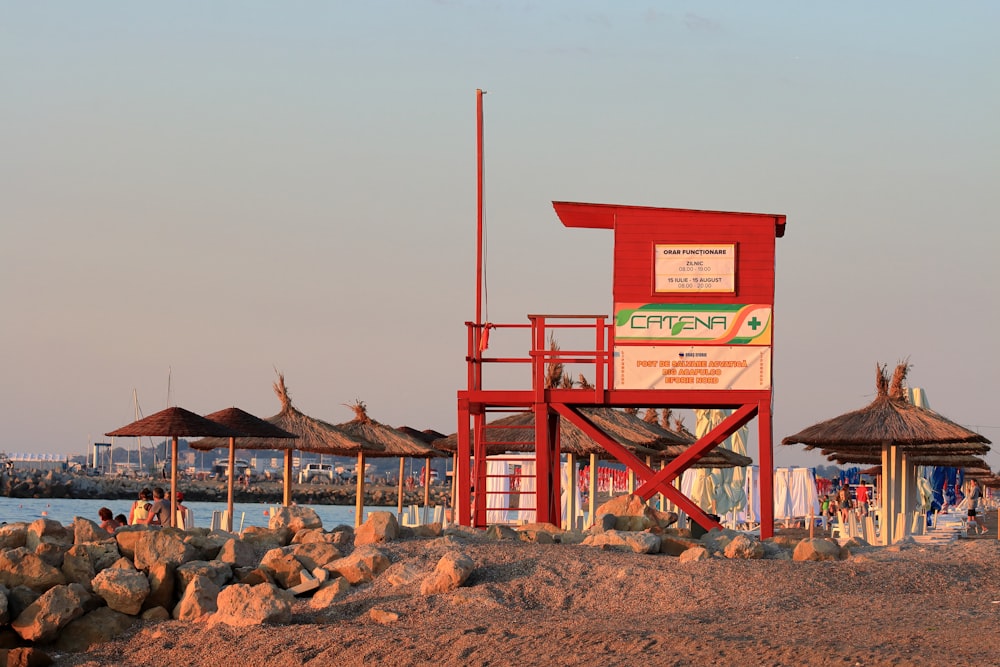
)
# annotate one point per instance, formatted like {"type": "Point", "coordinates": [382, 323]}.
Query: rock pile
{"type": "Point", "coordinates": [66, 588]}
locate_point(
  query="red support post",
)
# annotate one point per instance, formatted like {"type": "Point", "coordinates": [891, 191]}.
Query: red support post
{"type": "Point", "coordinates": [765, 456]}
{"type": "Point", "coordinates": [462, 471]}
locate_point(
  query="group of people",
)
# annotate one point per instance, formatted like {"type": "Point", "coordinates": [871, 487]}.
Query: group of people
{"type": "Point", "coordinates": [151, 508]}
{"type": "Point", "coordinates": [841, 502]}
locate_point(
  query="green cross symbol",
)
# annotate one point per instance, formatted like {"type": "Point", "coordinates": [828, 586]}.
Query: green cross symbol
{"type": "Point", "coordinates": [754, 322]}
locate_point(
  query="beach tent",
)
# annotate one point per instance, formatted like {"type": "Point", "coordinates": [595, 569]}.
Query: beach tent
{"type": "Point", "coordinates": [898, 434]}
{"type": "Point", "coordinates": [795, 494]}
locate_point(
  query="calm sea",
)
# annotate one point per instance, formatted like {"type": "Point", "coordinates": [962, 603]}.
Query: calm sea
{"type": "Point", "coordinates": [250, 514]}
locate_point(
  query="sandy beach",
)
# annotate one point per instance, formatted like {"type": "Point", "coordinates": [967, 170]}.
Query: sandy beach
{"type": "Point", "coordinates": [535, 604]}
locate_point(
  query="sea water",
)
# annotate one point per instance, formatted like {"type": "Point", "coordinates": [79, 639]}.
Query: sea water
{"type": "Point", "coordinates": [63, 510]}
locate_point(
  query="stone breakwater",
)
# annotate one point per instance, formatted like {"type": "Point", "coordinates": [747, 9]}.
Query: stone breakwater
{"type": "Point", "coordinates": [54, 484]}
{"type": "Point", "coordinates": [69, 588]}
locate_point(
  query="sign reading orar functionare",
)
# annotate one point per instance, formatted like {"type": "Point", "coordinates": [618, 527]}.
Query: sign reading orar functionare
{"type": "Point", "coordinates": [694, 268]}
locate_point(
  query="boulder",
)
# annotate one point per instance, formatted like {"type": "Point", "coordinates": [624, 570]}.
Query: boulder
{"type": "Point", "coordinates": [424, 530]}
{"type": "Point", "coordinates": [284, 568]}
{"type": "Point", "coordinates": [22, 567]}
{"type": "Point", "coordinates": [198, 600]}
{"type": "Point", "coordinates": [47, 531]}
{"type": "Point", "coordinates": [262, 540]}
{"type": "Point", "coordinates": [242, 605]}
{"type": "Point", "coordinates": [743, 547]}
{"type": "Point", "coordinates": [316, 554]}
{"type": "Point", "coordinates": [402, 573]}
{"type": "Point", "coordinates": [361, 566]}
{"type": "Point", "coordinates": [129, 536]}
{"type": "Point", "coordinates": [4, 607]}
{"type": "Point", "coordinates": [498, 532]}
{"type": "Point", "coordinates": [380, 527]}
{"type": "Point", "coordinates": [675, 545]}
{"type": "Point", "coordinates": [161, 586]}
{"type": "Point", "coordinates": [206, 544]}
{"type": "Point", "coordinates": [51, 612]}
{"type": "Point", "coordinates": [85, 530]}
{"type": "Point", "coordinates": [818, 549]}
{"type": "Point", "coordinates": [218, 572]}
{"type": "Point", "coordinates": [52, 553]}
{"type": "Point", "coordinates": [451, 572]}
{"type": "Point", "coordinates": [294, 518]}
{"type": "Point", "coordinates": [638, 542]}
{"type": "Point", "coordinates": [24, 656]}
{"type": "Point", "coordinates": [99, 626]}
{"type": "Point", "coordinates": [631, 505]}
{"type": "Point", "coordinates": [695, 554]}
{"type": "Point", "coordinates": [165, 545]}
{"type": "Point", "coordinates": [333, 589]}
{"type": "Point", "coordinates": [123, 589]}
{"type": "Point", "coordinates": [237, 553]}
{"type": "Point", "coordinates": [20, 598]}
{"type": "Point", "coordinates": [13, 535]}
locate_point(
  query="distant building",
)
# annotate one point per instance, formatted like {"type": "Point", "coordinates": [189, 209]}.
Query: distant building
{"type": "Point", "coordinates": [21, 461]}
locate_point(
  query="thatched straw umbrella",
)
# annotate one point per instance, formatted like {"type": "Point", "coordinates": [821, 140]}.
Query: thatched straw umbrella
{"type": "Point", "coordinates": [895, 431]}
{"type": "Point", "coordinates": [249, 426]}
{"type": "Point", "coordinates": [385, 441]}
{"type": "Point", "coordinates": [427, 436]}
{"type": "Point", "coordinates": [314, 435]}
{"type": "Point", "coordinates": [173, 422]}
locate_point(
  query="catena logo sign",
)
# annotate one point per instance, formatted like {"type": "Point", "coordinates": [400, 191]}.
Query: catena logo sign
{"type": "Point", "coordinates": [732, 324]}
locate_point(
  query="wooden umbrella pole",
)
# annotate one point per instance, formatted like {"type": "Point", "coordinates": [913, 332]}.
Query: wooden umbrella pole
{"type": "Point", "coordinates": [427, 486]}
{"type": "Point", "coordinates": [173, 481]}
{"type": "Point", "coordinates": [359, 501]}
{"type": "Point", "coordinates": [399, 499]}
{"type": "Point", "coordinates": [286, 496]}
{"type": "Point", "coordinates": [592, 489]}
{"type": "Point", "coordinates": [230, 486]}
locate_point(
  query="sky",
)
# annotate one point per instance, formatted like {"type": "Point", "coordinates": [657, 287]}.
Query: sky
{"type": "Point", "coordinates": [195, 195]}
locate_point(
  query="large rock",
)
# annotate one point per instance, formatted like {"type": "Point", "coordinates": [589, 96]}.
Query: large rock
{"type": "Point", "coordinates": [316, 554]}
{"type": "Point", "coordinates": [25, 656]}
{"type": "Point", "coordinates": [218, 572]}
{"type": "Point", "coordinates": [198, 600]}
{"type": "Point", "coordinates": [283, 566]}
{"type": "Point", "coordinates": [166, 545]}
{"type": "Point", "coordinates": [638, 542]}
{"type": "Point", "coordinates": [237, 553]}
{"type": "Point", "coordinates": [51, 612]}
{"type": "Point", "coordinates": [450, 573]}
{"type": "Point", "coordinates": [695, 554]}
{"type": "Point", "coordinates": [13, 535]}
{"type": "Point", "coordinates": [331, 590]}
{"type": "Point", "coordinates": [207, 544]}
{"type": "Point", "coordinates": [84, 561]}
{"type": "Point", "coordinates": [22, 567]}
{"type": "Point", "coordinates": [4, 607]}
{"type": "Point", "coordinates": [675, 545]}
{"type": "Point", "coordinates": [743, 547]}
{"type": "Point", "coordinates": [52, 553]}
{"type": "Point", "coordinates": [362, 566]}
{"type": "Point", "coordinates": [294, 518]}
{"type": "Point", "coordinates": [99, 626]}
{"type": "Point", "coordinates": [263, 540]}
{"type": "Point", "coordinates": [633, 513]}
{"type": "Point", "coordinates": [129, 536]}
{"type": "Point", "coordinates": [161, 586]}
{"type": "Point", "coordinates": [818, 549]}
{"type": "Point", "coordinates": [380, 527]}
{"type": "Point", "coordinates": [47, 531]}
{"type": "Point", "coordinates": [85, 530]}
{"type": "Point", "coordinates": [123, 589]}
{"type": "Point", "coordinates": [242, 605]}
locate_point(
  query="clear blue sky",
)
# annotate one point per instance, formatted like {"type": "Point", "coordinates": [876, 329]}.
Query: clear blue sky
{"type": "Point", "coordinates": [213, 190]}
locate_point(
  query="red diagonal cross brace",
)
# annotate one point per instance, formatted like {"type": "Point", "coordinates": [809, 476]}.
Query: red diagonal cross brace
{"type": "Point", "coordinates": [660, 481]}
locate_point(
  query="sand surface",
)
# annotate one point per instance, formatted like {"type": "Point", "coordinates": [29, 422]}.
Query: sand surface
{"type": "Point", "coordinates": [528, 604]}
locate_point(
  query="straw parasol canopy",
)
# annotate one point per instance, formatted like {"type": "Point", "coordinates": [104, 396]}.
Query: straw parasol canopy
{"type": "Point", "coordinates": [249, 425]}
{"type": "Point", "coordinates": [385, 441]}
{"type": "Point", "coordinates": [890, 419]}
{"type": "Point", "coordinates": [890, 426]}
{"type": "Point", "coordinates": [174, 422]}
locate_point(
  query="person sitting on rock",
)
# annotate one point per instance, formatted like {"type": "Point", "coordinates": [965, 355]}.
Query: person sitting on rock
{"type": "Point", "coordinates": [159, 513]}
{"type": "Point", "coordinates": [140, 508]}
{"type": "Point", "coordinates": [107, 521]}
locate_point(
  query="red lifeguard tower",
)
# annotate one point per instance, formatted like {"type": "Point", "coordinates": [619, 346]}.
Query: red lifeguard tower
{"type": "Point", "coordinates": [692, 327]}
